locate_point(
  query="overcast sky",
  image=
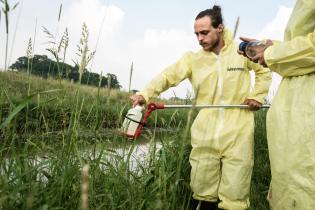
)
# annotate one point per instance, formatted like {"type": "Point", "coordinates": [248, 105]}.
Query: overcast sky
{"type": "Point", "coordinates": [151, 34]}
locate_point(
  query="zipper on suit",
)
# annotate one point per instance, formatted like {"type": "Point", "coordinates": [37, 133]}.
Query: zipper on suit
{"type": "Point", "coordinates": [220, 91]}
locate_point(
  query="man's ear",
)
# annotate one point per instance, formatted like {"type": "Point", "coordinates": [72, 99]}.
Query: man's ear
{"type": "Point", "coordinates": [220, 28]}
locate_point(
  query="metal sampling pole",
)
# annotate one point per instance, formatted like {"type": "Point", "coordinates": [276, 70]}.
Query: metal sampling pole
{"type": "Point", "coordinates": [153, 106]}
{"type": "Point", "coordinates": [210, 106]}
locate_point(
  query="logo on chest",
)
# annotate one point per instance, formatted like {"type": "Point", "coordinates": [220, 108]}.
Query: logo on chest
{"type": "Point", "coordinates": [235, 69]}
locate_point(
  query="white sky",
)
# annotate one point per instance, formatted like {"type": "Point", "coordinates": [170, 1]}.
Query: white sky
{"type": "Point", "coordinates": [151, 34]}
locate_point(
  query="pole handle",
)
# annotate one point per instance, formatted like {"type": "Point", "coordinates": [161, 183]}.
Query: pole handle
{"type": "Point", "coordinates": [150, 108]}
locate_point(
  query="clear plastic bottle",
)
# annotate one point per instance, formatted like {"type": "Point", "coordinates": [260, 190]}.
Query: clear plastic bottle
{"type": "Point", "coordinates": [252, 48]}
{"type": "Point", "coordinates": [132, 121]}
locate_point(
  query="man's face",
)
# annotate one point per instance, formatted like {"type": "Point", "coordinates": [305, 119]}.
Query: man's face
{"type": "Point", "coordinates": [208, 36]}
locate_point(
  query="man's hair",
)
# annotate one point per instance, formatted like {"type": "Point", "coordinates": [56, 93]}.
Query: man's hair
{"type": "Point", "coordinates": [214, 14]}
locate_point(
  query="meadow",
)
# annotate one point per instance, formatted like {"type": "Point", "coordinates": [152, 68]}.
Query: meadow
{"type": "Point", "coordinates": [61, 149]}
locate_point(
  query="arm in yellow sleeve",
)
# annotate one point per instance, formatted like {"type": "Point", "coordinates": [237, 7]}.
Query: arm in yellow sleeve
{"type": "Point", "coordinates": [262, 81]}
{"type": "Point", "coordinates": [170, 77]}
{"type": "Point", "coordinates": [292, 58]}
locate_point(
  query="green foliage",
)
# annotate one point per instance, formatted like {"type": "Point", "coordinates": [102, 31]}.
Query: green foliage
{"type": "Point", "coordinates": [41, 156]}
{"type": "Point", "coordinates": [261, 174]}
{"type": "Point", "coordinates": [44, 147]}
{"type": "Point", "coordinates": [44, 67]}
{"type": "Point", "coordinates": [18, 108]}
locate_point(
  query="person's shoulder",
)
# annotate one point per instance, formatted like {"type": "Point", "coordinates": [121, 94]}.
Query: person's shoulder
{"type": "Point", "coordinates": [235, 44]}
{"type": "Point", "coordinates": [191, 55]}
{"type": "Point", "coordinates": [233, 47]}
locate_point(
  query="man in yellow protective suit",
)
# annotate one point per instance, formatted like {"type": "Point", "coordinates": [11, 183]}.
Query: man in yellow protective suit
{"type": "Point", "coordinates": [291, 119]}
{"type": "Point", "coordinates": [222, 139]}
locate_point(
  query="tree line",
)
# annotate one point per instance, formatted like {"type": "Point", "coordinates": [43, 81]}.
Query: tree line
{"type": "Point", "coordinates": [42, 66]}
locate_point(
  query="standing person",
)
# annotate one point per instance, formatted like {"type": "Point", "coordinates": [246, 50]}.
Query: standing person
{"type": "Point", "coordinates": [291, 119]}
{"type": "Point", "coordinates": [222, 139]}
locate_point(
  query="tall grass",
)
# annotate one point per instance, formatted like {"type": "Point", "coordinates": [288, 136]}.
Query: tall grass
{"type": "Point", "coordinates": [41, 166]}
{"type": "Point", "coordinates": [84, 53]}
{"type": "Point", "coordinates": [261, 172]}
{"type": "Point", "coordinates": [41, 159]}
{"type": "Point", "coordinates": [6, 9]}
{"type": "Point", "coordinates": [58, 49]}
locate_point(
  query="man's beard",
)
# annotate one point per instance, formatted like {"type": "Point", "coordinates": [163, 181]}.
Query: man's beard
{"type": "Point", "coordinates": [210, 48]}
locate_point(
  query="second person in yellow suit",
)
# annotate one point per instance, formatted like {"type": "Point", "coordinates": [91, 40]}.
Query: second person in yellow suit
{"type": "Point", "coordinates": [291, 119]}
{"type": "Point", "coordinates": [222, 139]}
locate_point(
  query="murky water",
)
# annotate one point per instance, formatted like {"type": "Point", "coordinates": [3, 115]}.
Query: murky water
{"type": "Point", "coordinates": [136, 154]}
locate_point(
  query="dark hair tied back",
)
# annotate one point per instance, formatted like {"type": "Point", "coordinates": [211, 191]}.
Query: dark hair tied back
{"type": "Point", "coordinates": [214, 14]}
{"type": "Point", "coordinates": [216, 9]}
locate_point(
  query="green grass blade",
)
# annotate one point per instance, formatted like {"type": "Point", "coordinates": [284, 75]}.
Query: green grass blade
{"type": "Point", "coordinates": [17, 109]}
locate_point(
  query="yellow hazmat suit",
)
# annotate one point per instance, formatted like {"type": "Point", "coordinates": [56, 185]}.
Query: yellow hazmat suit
{"type": "Point", "coordinates": [219, 136]}
{"type": "Point", "coordinates": [291, 119]}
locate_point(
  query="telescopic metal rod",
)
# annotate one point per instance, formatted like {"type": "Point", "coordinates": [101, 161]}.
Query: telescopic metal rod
{"type": "Point", "coordinates": [212, 106]}
{"type": "Point", "coordinates": [154, 106]}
